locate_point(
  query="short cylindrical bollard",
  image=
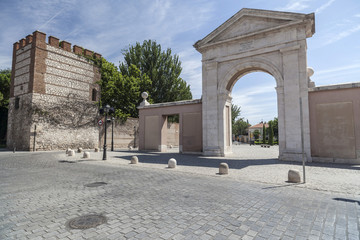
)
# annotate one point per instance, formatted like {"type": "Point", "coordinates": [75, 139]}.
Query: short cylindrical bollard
{"type": "Point", "coordinates": [79, 150]}
{"type": "Point", "coordinates": [294, 176]}
{"type": "Point", "coordinates": [172, 163]}
{"type": "Point", "coordinates": [86, 155]}
{"type": "Point", "coordinates": [223, 168]}
{"type": "Point", "coordinates": [71, 153]}
{"type": "Point", "coordinates": [134, 160]}
{"type": "Point", "coordinates": [68, 150]}
{"type": "Point", "coordinates": [96, 149]}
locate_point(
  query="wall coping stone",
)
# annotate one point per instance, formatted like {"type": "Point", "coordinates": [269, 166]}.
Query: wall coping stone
{"type": "Point", "coordinates": [170, 104]}
{"type": "Point", "coordinates": [335, 86]}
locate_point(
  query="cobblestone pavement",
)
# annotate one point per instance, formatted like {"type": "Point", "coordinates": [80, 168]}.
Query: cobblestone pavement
{"type": "Point", "coordinates": [41, 192]}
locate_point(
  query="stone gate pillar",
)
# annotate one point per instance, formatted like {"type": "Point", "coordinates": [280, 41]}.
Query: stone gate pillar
{"type": "Point", "coordinates": [210, 111]}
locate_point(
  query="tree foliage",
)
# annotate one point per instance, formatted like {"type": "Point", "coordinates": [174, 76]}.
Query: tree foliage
{"type": "Point", "coordinates": [235, 113]}
{"type": "Point", "coordinates": [271, 134]}
{"type": "Point", "coordinates": [5, 76]}
{"type": "Point", "coordinates": [162, 68]}
{"type": "Point", "coordinates": [264, 134]}
{"type": "Point", "coordinates": [256, 134]}
{"type": "Point", "coordinates": [240, 127]}
{"type": "Point", "coordinates": [122, 92]}
{"type": "Point", "coordinates": [275, 127]}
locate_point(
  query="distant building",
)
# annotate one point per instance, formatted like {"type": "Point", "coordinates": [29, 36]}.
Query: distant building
{"type": "Point", "coordinates": [259, 127]}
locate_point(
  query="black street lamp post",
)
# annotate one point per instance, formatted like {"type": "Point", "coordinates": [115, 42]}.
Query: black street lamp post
{"type": "Point", "coordinates": [112, 133]}
{"type": "Point", "coordinates": [106, 110]}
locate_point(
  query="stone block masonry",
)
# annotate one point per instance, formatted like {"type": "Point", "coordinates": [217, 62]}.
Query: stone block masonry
{"type": "Point", "coordinates": [53, 95]}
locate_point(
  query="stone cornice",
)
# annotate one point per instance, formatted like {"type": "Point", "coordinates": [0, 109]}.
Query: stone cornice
{"type": "Point", "coordinates": [170, 104]}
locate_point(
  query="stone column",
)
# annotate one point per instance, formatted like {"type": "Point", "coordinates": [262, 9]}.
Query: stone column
{"type": "Point", "coordinates": [295, 85]}
{"type": "Point", "coordinates": [225, 131]}
{"type": "Point", "coordinates": [210, 111]}
{"type": "Point", "coordinates": [281, 119]}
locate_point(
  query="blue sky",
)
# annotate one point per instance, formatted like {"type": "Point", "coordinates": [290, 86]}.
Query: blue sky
{"type": "Point", "coordinates": [108, 26]}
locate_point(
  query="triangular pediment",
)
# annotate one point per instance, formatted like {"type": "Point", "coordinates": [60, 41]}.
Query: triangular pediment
{"type": "Point", "coordinates": [252, 21]}
{"type": "Point", "coordinates": [247, 25]}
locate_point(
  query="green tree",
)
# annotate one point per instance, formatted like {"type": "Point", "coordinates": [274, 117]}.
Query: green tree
{"type": "Point", "coordinates": [5, 76]}
{"type": "Point", "coordinates": [162, 68]}
{"type": "Point", "coordinates": [122, 92]}
{"type": "Point", "coordinates": [264, 134]}
{"type": "Point", "coordinates": [235, 113]}
{"type": "Point", "coordinates": [240, 127]}
{"type": "Point", "coordinates": [274, 124]}
{"type": "Point", "coordinates": [271, 134]}
{"type": "Point", "coordinates": [256, 134]}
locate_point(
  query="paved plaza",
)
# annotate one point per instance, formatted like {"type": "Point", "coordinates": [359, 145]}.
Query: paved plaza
{"type": "Point", "coordinates": [41, 192]}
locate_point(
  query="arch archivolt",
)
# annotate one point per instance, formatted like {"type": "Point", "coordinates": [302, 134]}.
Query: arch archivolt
{"type": "Point", "coordinates": [245, 66]}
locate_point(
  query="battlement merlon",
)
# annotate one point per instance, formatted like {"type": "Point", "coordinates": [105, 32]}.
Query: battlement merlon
{"type": "Point", "coordinates": [39, 39]}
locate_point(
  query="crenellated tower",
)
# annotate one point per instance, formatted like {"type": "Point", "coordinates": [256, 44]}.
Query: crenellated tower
{"type": "Point", "coordinates": [53, 95]}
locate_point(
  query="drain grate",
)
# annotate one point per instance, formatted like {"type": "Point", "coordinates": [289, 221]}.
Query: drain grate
{"type": "Point", "coordinates": [87, 221]}
{"type": "Point", "coordinates": [95, 184]}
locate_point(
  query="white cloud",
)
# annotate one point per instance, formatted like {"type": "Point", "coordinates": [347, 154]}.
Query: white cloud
{"type": "Point", "coordinates": [322, 7]}
{"type": "Point", "coordinates": [338, 69]}
{"type": "Point", "coordinates": [295, 5]}
{"type": "Point", "coordinates": [343, 34]}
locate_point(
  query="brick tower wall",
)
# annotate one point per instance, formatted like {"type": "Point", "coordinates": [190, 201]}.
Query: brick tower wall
{"type": "Point", "coordinates": [54, 90]}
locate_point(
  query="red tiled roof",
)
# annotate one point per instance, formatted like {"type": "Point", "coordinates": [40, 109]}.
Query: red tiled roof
{"type": "Point", "coordinates": [260, 125]}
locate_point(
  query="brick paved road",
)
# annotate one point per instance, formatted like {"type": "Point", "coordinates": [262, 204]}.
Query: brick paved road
{"type": "Point", "coordinates": [39, 193]}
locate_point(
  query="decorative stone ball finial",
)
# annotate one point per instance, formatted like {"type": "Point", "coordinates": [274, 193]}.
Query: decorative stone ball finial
{"type": "Point", "coordinates": [310, 71]}
{"type": "Point", "coordinates": [144, 95]}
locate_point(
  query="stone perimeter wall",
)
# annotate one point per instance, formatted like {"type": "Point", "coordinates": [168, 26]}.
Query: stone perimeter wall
{"type": "Point", "coordinates": [335, 123]}
{"type": "Point", "coordinates": [125, 134]}
{"type": "Point", "coordinates": [54, 90]}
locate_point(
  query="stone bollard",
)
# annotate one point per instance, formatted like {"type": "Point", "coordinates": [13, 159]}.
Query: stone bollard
{"type": "Point", "coordinates": [79, 150]}
{"type": "Point", "coordinates": [223, 168]}
{"type": "Point", "coordinates": [294, 176]}
{"type": "Point", "coordinates": [68, 150]}
{"type": "Point", "coordinates": [134, 160]}
{"type": "Point", "coordinates": [86, 155]}
{"type": "Point", "coordinates": [130, 148]}
{"type": "Point", "coordinates": [71, 153]}
{"type": "Point", "coordinates": [96, 149]}
{"type": "Point", "coordinates": [172, 163]}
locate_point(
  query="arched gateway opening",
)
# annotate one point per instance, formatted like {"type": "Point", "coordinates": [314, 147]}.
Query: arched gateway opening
{"type": "Point", "coordinates": [257, 40]}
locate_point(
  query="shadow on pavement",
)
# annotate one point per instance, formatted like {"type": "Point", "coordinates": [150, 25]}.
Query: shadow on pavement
{"type": "Point", "coordinates": [213, 162]}
{"type": "Point", "coordinates": [198, 160]}
{"type": "Point", "coordinates": [347, 200]}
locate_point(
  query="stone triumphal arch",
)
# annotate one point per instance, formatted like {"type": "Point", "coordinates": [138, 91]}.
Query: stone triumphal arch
{"type": "Point", "coordinates": [257, 40]}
